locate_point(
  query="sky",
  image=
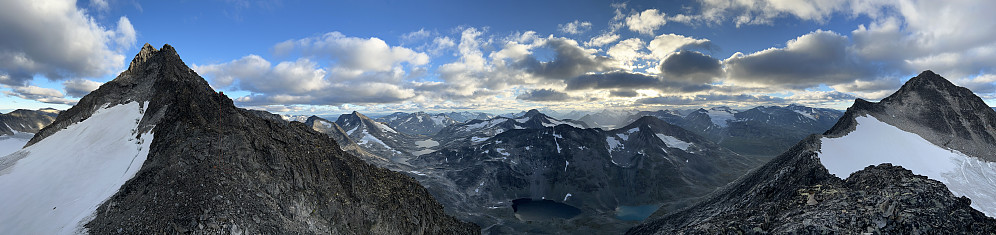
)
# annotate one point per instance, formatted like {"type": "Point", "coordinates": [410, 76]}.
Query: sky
{"type": "Point", "coordinates": [332, 57]}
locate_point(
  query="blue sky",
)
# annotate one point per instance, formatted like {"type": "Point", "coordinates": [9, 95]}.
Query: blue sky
{"type": "Point", "coordinates": [330, 57]}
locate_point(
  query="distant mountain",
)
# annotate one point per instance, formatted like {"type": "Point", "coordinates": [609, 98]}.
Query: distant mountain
{"type": "Point", "coordinates": [418, 123]}
{"type": "Point", "coordinates": [467, 116]}
{"type": "Point", "coordinates": [646, 163]}
{"type": "Point", "coordinates": [607, 118]}
{"type": "Point", "coordinates": [379, 138]}
{"type": "Point", "coordinates": [476, 131]}
{"type": "Point", "coordinates": [26, 121]}
{"type": "Point", "coordinates": [917, 162]}
{"type": "Point", "coordinates": [156, 150]}
{"type": "Point", "coordinates": [763, 130]}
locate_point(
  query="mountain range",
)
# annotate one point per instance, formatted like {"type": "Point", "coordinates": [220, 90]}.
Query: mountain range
{"type": "Point", "coordinates": [917, 162]}
{"type": "Point", "coordinates": [647, 163]}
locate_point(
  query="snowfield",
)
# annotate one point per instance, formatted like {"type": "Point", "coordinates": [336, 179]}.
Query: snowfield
{"type": "Point", "coordinates": [674, 142]}
{"type": "Point", "coordinates": [12, 143]}
{"type": "Point", "coordinates": [55, 185]}
{"type": "Point", "coordinates": [875, 142]}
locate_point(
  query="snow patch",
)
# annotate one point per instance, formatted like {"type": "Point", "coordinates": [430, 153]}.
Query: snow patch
{"type": "Point", "coordinates": [476, 139]}
{"type": "Point", "coordinates": [874, 142]}
{"type": "Point", "coordinates": [55, 185]}
{"type": "Point", "coordinates": [501, 151]}
{"type": "Point", "coordinates": [367, 138]}
{"type": "Point", "coordinates": [613, 143]}
{"type": "Point", "coordinates": [674, 142]}
{"type": "Point", "coordinates": [809, 115]}
{"type": "Point", "coordinates": [720, 117]}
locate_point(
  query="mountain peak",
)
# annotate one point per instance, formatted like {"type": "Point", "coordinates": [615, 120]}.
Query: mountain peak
{"type": "Point", "coordinates": [531, 112]}
{"type": "Point", "coordinates": [148, 53]}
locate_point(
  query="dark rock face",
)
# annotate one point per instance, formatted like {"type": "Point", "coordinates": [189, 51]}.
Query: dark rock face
{"type": "Point", "coordinates": [27, 121]}
{"type": "Point", "coordinates": [215, 168]}
{"type": "Point", "coordinates": [478, 182]}
{"type": "Point", "coordinates": [775, 198]}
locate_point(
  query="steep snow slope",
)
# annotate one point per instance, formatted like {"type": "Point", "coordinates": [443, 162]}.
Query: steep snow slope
{"type": "Point", "coordinates": [875, 142]}
{"type": "Point", "coordinates": [55, 186]}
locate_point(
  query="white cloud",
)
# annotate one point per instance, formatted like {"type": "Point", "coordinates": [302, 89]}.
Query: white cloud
{"type": "Point", "coordinates": [57, 40]}
{"type": "Point", "coordinates": [665, 44]}
{"type": "Point", "coordinates": [370, 54]}
{"type": "Point", "coordinates": [627, 51]}
{"type": "Point", "coordinates": [41, 94]}
{"type": "Point", "coordinates": [602, 40]}
{"type": "Point", "coordinates": [80, 87]}
{"type": "Point", "coordinates": [575, 27]}
{"type": "Point", "coordinates": [752, 12]}
{"type": "Point", "coordinates": [100, 5]}
{"type": "Point", "coordinates": [303, 82]}
{"type": "Point", "coordinates": [646, 22]}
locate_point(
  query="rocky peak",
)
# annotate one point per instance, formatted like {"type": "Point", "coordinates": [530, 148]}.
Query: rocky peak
{"type": "Point", "coordinates": [931, 106]}
{"type": "Point", "coordinates": [531, 112]}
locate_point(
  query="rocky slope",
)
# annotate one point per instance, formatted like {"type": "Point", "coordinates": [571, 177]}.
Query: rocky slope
{"type": "Point", "coordinates": [798, 192]}
{"type": "Point", "coordinates": [646, 163]}
{"type": "Point", "coordinates": [215, 168]}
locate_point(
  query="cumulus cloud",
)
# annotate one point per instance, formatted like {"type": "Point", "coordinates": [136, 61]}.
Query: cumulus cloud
{"type": "Point", "coordinates": [575, 27]}
{"type": "Point", "coordinates": [602, 40]}
{"type": "Point", "coordinates": [627, 51]}
{"type": "Point", "coordinates": [691, 67]}
{"type": "Point", "coordinates": [366, 54]}
{"type": "Point", "coordinates": [299, 82]}
{"type": "Point", "coordinates": [570, 60]}
{"type": "Point", "coordinates": [41, 94]}
{"type": "Point", "coordinates": [80, 87]}
{"type": "Point", "coordinates": [820, 57]}
{"type": "Point", "coordinates": [55, 39]}
{"type": "Point", "coordinates": [985, 83]}
{"type": "Point", "coordinates": [665, 44]}
{"type": "Point", "coordinates": [544, 95]}
{"type": "Point", "coordinates": [646, 22]}
{"type": "Point", "coordinates": [765, 11]}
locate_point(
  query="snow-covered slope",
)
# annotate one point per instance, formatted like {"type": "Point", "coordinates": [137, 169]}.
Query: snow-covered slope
{"type": "Point", "coordinates": [874, 142]}
{"type": "Point", "coordinates": [12, 143]}
{"type": "Point", "coordinates": [55, 185]}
